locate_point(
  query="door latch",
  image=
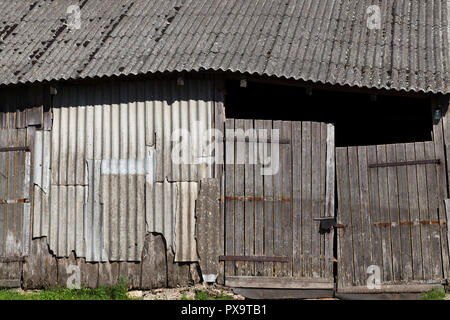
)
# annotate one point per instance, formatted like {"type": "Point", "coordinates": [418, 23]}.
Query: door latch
{"type": "Point", "coordinates": [328, 223]}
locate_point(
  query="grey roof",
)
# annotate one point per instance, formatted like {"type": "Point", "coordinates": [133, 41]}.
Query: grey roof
{"type": "Point", "coordinates": [325, 41]}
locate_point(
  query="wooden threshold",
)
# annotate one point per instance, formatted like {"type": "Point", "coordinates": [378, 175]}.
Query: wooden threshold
{"type": "Point", "coordinates": [279, 283]}
{"type": "Point", "coordinates": [10, 283]}
{"type": "Point", "coordinates": [392, 288]}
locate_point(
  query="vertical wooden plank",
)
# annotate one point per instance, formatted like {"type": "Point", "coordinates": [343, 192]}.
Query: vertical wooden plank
{"type": "Point", "coordinates": [249, 191]}
{"type": "Point", "coordinates": [316, 208]}
{"type": "Point", "coordinates": [438, 139]}
{"type": "Point", "coordinates": [433, 214]}
{"type": "Point", "coordinates": [355, 212]}
{"type": "Point", "coordinates": [414, 213]}
{"type": "Point", "coordinates": [259, 205]}
{"type": "Point", "coordinates": [394, 214]}
{"type": "Point", "coordinates": [364, 200]}
{"type": "Point", "coordinates": [3, 189]}
{"type": "Point", "coordinates": [330, 184]}
{"type": "Point", "coordinates": [297, 198]}
{"type": "Point", "coordinates": [345, 244]}
{"type": "Point", "coordinates": [423, 210]}
{"type": "Point", "coordinates": [239, 189]}
{"type": "Point", "coordinates": [307, 222]}
{"type": "Point", "coordinates": [383, 187]}
{"type": "Point", "coordinates": [19, 192]}
{"type": "Point", "coordinates": [219, 125]}
{"type": "Point", "coordinates": [278, 207]}
{"type": "Point", "coordinates": [10, 240]}
{"type": "Point", "coordinates": [268, 205]}
{"type": "Point", "coordinates": [447, 215]}
{"type": "Point", "coordinates": [229, 192]}
{"type": "Point", "coordinates": [404, 226]}
{"type": "Point", "coordinates": [375, 211]}
{"type": "Point", "coordinates": [285, 161]}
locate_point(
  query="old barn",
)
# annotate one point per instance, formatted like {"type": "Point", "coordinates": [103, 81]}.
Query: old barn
{"type": "Point", "coordinates": [285, 148]}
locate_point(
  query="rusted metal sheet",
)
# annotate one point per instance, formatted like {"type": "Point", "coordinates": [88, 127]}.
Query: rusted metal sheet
{"type": "Point", "coordinates": [105, 175]}
{"type": "Point", "coordinates": [404, 163]}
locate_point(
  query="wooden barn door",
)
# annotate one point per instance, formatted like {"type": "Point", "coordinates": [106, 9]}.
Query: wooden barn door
{"type": "Point", "coordinates": [395, 226]}
{"type": "Point", "coordinates": [272, 236]}
{"type": "Point", "coordinates": [14, 205]}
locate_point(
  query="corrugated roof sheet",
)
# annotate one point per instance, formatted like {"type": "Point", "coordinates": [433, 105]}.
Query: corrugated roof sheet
{"type": "Point", "coordinates": [325, 41]}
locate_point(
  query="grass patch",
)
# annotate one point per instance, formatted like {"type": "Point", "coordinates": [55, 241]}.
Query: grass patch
{"type": "Point", "coordinates": [434, 294]}
{"type": "Point", "coordinates": [116, 292]}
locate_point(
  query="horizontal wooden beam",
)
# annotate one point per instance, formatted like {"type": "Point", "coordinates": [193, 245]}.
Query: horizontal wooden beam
{"type": "Point", "coordinates": [401, 288]}
{"type": "Point", "coordinates": [268, 199]}
{"type": "Point", "coordinates": [261, 140]}
{"type": "Point", "coordinates": [253, 258]}
{"type": "Point", "coordinates": [10, 149]}
{"type": "Point", "coordinates": [11, 259]}
{"type": "Point", "coordinates": [10, 283]}
{"type": "Point", "coordinates": [404, 163]}
{"type": "Point", "coordinates": [279, 283]}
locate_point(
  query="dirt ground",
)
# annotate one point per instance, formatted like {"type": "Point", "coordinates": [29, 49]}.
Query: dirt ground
{"type": "Point", "coordinates": [190, 293]}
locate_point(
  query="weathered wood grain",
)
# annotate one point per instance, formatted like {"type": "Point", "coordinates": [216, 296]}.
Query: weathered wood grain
{"type": "Point", "coordinates": [413, 204]}
{"type": "Point", "coordinates": [207, 227]}
{"type": "Point", "coordinates": [268, 206]}
{"type": "Point", "coordinates": [296, 199]}
{"type": "Point", "coordinates": [307, 223]}
{"type": "Point", "coordinates": [259, 205]}
{"type": "Point", "coordinates": [423, 211]}
{"type": "Point", "coordinates": [229, 192]}
{"type": "Point", "coordinates": [405, 230]}
{"type": "Point", "coordinates": [383, 190]}
{"type": "Point", "coordinates": [249, 191]}
{"type": "Point", "coordinates": [394, 213]}
{"type": "Point", "coordinates": [316, 204]}
{"type": "Point", "coordinates": [345, 245]}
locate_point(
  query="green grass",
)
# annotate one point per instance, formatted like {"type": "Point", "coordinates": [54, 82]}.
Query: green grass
{"type": "Point", "coordinates": [434, 294]}
{"type": "Point", "coordinates": [116, 292]}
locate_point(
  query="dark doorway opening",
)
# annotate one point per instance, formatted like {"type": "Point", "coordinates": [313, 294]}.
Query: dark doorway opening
{"type": "Point", "coordinates": [359, 118]}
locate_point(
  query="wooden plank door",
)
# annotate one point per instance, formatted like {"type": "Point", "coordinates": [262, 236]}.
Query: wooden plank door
{"type": "Point", "coordinates": [272, 218]}
{"type": "Point", "coordinates": [395, 227]}
{"type": "Point", "coordinates": [14, 205]}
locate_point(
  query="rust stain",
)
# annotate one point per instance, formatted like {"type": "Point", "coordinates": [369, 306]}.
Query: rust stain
{"type": "Point", "coordinates": [410, 223]}
{"type": "Point", "coordinates": [286, 199]}
{"type": "Point", "coordinates": [14, 201]}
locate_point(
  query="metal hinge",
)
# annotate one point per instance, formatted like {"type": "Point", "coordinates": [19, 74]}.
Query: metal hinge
{"type": "Point", "coordinates": [328, 223]}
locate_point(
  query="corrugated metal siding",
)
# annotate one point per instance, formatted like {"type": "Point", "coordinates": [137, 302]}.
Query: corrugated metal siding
{"type": "Point", "coordinates": [104, 174]}
{"type": "Point", "coordinates": [323, 41]}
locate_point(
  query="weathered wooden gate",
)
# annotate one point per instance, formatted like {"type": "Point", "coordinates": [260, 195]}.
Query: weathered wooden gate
{"type": "Point", "coordinates": [389, 200]}
{"type": "Point", "coordinates": [272, 219]}
{"type": "Point", "coordinates": [14, 205]}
